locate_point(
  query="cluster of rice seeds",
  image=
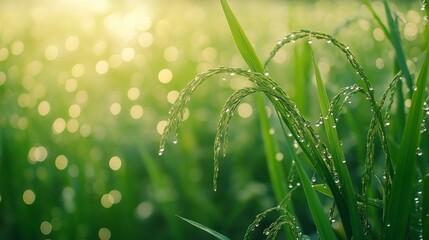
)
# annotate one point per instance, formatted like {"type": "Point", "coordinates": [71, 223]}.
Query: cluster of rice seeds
{"type": "Point", "coordinates": [285, 218]}
{"type": "Point", "coordinates": [370, 143]}
{"type": "Point", "coordinates": [369, 92]}
{"type": "Point", "coordinates": [177, 110]}
{"type": "Point", "coordinates": [299, 127]}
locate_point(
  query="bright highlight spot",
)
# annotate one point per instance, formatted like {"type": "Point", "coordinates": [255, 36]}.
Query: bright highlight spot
{"type": "Point", "coordinates": [28, 197]}
{"type": "Point", "coordinates": [172, 96]}
{"type": "Point", "coordinates": [144, 210]}
{"type": "Point", "coordinates": [102, 67]}
{"type": "Point", "coordinates": [115, 108]}
{"type": "Point", "coordinates": [161, 126]}
{"type": "Point", "coordinates": [78, 70]}
{"type": "Point", "coordinates": [117, 196]}
{"type": "Point", "coordinates": [61, 162]}
{"type": "Point", "coordinates": [115, 163]}
{"type": "Point", "coordinates": [72, 125]}
{"type": "Point", "coordinates": [58, 126]}
{"type": "Point", "coordinates": [37, 154]}
{"type": "Point", "coordinates": [136, 111]}
{"type": "Point", "coordinates": [107, 200]}
{"type": "Point", "coordinates": [74, 111]}
{"type": "Point", "coordinates": [245, 110]}
{"type": "Point", "coordinates": [44, 108]}
{"type": "Point", "coordinates": [133, 93]}
{"type": "Point", "coordinates": [71, 85]}
{"type": "Point", "coordinates": [165, 75]}
{"type": "Point", "coordinates": [46, 227]}
{"type": "Point", "coordinates": [378, 34]}
{"type": "Point", "coordinates": [104, 234]}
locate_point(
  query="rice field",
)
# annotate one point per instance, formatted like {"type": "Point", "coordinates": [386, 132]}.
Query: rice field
{"type": "Point", "coordinates": [85, 93]}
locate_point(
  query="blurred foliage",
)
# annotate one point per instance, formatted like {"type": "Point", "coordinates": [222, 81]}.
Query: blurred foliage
{"type": "Point", "coordinates": [84, 94]}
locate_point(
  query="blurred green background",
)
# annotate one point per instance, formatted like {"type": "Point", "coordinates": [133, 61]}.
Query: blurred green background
{"type": "Point", "coordinates": [85, 88]}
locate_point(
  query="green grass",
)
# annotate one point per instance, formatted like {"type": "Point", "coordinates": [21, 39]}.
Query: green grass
{"type": "Point", "coordinates": [52, 72]}
{"type": "Point", "coordinates": [326, 156]}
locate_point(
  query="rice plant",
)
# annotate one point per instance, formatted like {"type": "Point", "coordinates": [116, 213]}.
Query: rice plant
{"type": "Point", "coordinates": [390, 205]}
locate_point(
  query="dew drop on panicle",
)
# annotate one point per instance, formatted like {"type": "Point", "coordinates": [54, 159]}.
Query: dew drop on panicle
{"type": "Point", "coordinates": [419, 152]}
{"type": "Point", "coordinates": [161, 151]}
{"type": "Point", "coordinates": [313, 179]}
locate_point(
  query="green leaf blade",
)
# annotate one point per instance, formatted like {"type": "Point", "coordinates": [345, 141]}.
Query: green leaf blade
{"type": "Point", "coordinates": [349, 215]}
{"type": "Point", "coordinates": [323, 225]}
{"type": "Point", "coordinates": [403, 187]}
{"type": "Point", "coordinates": [242, 42]}
{"type": "Point", "coordinates": [204, 228]}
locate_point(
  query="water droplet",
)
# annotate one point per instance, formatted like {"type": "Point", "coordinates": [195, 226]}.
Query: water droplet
{"type": "Point", "coordinates": [232, 74]}
{"type": "Point", "coordinates": [227, 110]}
{"type": "Point", "coordinates": [279, 42]}
{"type": "Point", "coordinates": [266, 74]}
{"type": "Point", "coordinates": [313, 179]}
{"type": "Point", "coordinates": [310, 41]}
{"type": "Point", "coordinates": [175, 141]}
{"type": "Point", "coordinates": [387, 124]}
{"type": "Point", "coordinates": [290, 185]}
{"type": "Point", "coordinates": [298, 184]}
{"type": "Point", "coordinates": [223, 78]}
{"type": "Point", "coordinates": [419, 152]}
{"type": "Point", "coordinates": [161, 151]}
{"type": "Point", "coordinates": [328, 41]}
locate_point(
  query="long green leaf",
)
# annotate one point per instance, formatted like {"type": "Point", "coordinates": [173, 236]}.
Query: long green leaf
{"type": "Point", "coordinates": [339, 160]}
{"type": "Point", "coordinates": [395, 39]}
{"type": "Point", "coordinates": [425, 210]}
{"type": "Point", "coordinates": [319, 216]}
{"type": "Point", "coordinates": [377, 18]}
{"type": "Point", "coordinates": [241, 41]}
{"type": "Point", "coordinates": [206, 229]}
{"type": "Point", "coordinates": [275, 168]}
{"type": "Point", "coordinates": [403, 187]}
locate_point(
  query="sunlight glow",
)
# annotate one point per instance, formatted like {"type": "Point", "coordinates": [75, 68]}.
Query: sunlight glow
{"type": "Point", "coordinates": [28, 197]}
